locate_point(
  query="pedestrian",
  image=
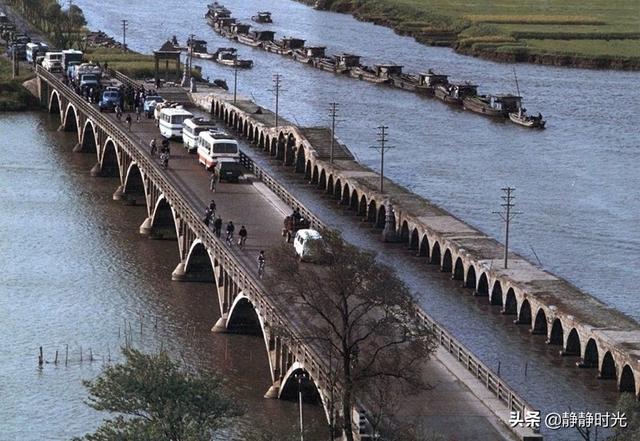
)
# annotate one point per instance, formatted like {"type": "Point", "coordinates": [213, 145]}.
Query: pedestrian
{"type": "Point", "coordinates": [213, 180]}
{"type": "Point", "coordinates": [138, 111]}
{"type": "Point", "coordinates": [217, 226]}
{"type": "Point", "coordinates": [261, 264]}
{"type": "Point", "coordinates": [118, 112]}
{"type": "Point", "coordinates": [207, 216]}
{"type": "Point", "coordinates": [152, 147]}
{"type": "Point", "coordinates": [230, 229]}
{"type": "Point", "coordinates": [243, 236]}
{"type": "Point", "coordinates": [128, 121]}
{"type": "Point", "coordinates": [212, 207]}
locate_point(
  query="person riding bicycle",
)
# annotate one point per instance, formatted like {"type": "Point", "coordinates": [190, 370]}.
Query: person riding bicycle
{"type": "Point", "coordinates": [164, 159]}
{"type": "Point", "coordinates": [243, 236]}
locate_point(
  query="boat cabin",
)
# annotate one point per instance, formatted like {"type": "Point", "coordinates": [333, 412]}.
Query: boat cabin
{"type": "Point", "coordinates": [463, 90]}
{"type": "Point", "coordinates": [348, 60]}
{"type": "Point", "coordinates": [197, 45]}
{"type": "Point", "coordinates": [263, 17]}
{"type": "Point", "coordinates": [387, 70]}
{"type": "Point", "coordinates": [292, 43]}
{"type": "Point", "coordinates": [314, 51]}
{"type": "Point", "coordinates": [506, 103]}
{"type": "Point", "coordinates": [240, 28]}
{"type": "Point", "coordinates": [431, 79]}
{"type": "Point", "coordinates": [263, 35]}
{"type": "Point", "coordinates": [218, 11]}
{"type": "Point", "coordinates": [225, 22]}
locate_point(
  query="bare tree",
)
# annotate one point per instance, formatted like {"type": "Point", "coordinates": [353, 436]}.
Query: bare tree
{"type": "Point", "coordinates": [362, 315]}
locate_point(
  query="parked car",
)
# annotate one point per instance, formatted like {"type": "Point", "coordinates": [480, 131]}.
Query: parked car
{"type": "Point", "coordinates": [309, 246]}
{"type": "Point", "coordinates": [109, 101]}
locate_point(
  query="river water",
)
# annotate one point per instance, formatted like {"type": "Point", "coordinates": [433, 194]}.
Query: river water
{"type": "Point", "coordinates": [575, 183]}
{"type": "Point", "coordinates": [76, 273]}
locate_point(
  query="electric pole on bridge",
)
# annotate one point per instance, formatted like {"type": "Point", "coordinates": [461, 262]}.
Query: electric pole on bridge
{"type": "Point", "coordinates": [382, 147]}
{"type": "Point", "coordinates": [125, 24]}
{"type": "Point", "coordinates": [333, 112]}
{"type": "Point", "coordinates": [235, 81]}
{"type": "Point", "coordinates": [507, 214]}
{"type": "Point", "coordinates": [277, 88]}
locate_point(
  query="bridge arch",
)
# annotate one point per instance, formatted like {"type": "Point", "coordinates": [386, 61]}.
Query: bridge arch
{"type": "Point", "coordinates": [483, 285]}
{"type": "Point", "coordinates": [54, 102]}
{"type": "Point", "coordinates": [414, 240]}
{"type": "Point", "coordinates": [557, 333]}
{"type": "Point", "coordinates": [524, 316]}
{"type": "Point", "coordinates": [330, 185]}
{"type": "Point", "coordinates": [627, 381]}
{"type": "Point", "coordinates": [458, 270]}
{"type": "Point", "coordinates": [540, 324]}
{"type": "Point", "coordinates": [88, 139]}
{"type": "Point", "coordinates": [423, 247]}
{"type": "Point", "coordinates": [322, 181]}
{"type": "Point", "coordinates": [435, 257]}
{"type": "Point", "coordinates": [591, 358]}
{"type": "Point", "coordinates": [310, 394]}
{"type": "Point", "coordinates": [301, 160]}
{"type": "Point", "coordinates": [315, 176]}
{"type": "Point", "coordinates": [573, 343]}
{"type": "Point", "coordinates": [608, 367]}
{"type": "Point", "coordinates": [471, 278]}
{"type": "Point", "coordinates": [404, 233]}
{"type": "Point", "coordinates": [510, 303]}
{"type": "Point", "coordinates": [110, 160]}
{"type": "Point", "coordinates": [353, 201]}
{"type": "Point", "coordinates": [496, 294]}
{"type": "Point", "coordinates": [198, 265]}
{"type": "Point", "coordinates": [345, 197]}
{"type": "Point", "coordinates": [243, 317]}
{"type": "Point", "coordinates": [70, 122]}
{"type": "Point", "coordinates": [447, 262]}
{"type": "Point", "coordinates": [381, 217]}
{"type": "Point", "coordinates": [134, 184]}
{"type": "Point", "coordinates": [163, 220]}
{"type": "Point", "coordinates": [337, 190]}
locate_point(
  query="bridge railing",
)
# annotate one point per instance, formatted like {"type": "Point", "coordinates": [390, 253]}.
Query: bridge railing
{"type": "Point", "coordinates": [247, 282]}
{"type": "Point", "coordinates": [280, 190]}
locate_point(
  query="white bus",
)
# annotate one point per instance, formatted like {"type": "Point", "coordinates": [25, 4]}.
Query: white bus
{"type": "Point", "coordinates": [192, 128]}
{"type": "Point", "coordinates": [171, 121]}
{"type": "Point", "coordinates": [215, 144]}
{"type": "Point", "coordinates": [35, 49]}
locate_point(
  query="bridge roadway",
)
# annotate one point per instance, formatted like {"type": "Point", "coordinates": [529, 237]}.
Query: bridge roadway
{"type": "Point", "coordinates": [175, 200]}
{"type": "Point", "coordinates": [580, 325]}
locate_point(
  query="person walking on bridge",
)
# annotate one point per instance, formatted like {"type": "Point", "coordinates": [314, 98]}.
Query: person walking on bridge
{"type": "Point", "coordinates": [207, 216]}
{"type": "Point", "coordinates": [261, 264]}
{"type": "Point", "coordinates": [153, 148]}
{"type": "Point", "coordinates": [230, 229]}
{"type": "Point", "coordinates": [217, 226]}
{"type": "Point", "coordinates": [213, 180]}
{"type": "Point", "coordinates": [128, 121]}
{"type": "Point", "coordinates": [212, 207]}
{"type": "Point", "coordinates": [243, 237]}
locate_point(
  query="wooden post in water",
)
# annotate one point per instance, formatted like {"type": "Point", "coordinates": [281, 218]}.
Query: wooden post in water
{"type": "Point", "coordinates": [80, 354]}
{"type": "Point", "coordinates": [56, 360]}
{"type": "Point", "coordinates": [40, 358]}
{"type": "Point", "coordinates": [66, 355]}
{"type": "Point", "coordinates": [90, 355]}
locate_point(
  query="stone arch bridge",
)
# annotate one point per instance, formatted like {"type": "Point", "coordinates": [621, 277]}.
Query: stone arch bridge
{"type": "Point", "coordinates": [599, 337]}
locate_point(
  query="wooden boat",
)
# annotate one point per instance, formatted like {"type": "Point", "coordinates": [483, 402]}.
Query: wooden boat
{"type": "Point", "coordinates": [256, 38]}
{"type": "Point", "coordinates": [285, 46]}
{"type": "Point", "coordinates": [262, 17]}
{"type": "Point", "coordinates": [198, 49]}
{"type": "Point", "coordinates": [216, 9]}
{"type": "Point", "coordinates": [521, 118]}
{"type": "Point", "coordinates": [346, 62]}
{"type": "Point", "coordinates": [227, 56]}
{"type": "Point", "coordinates": [330, 64]}
{"type": "Point", "coordinates": [427, 82]}
{"type": "Point", "coordinates": [455, 93]}
{"type": "Point", "coordinates": [220, 25]}
{"type": "Point", "coordinates": [497, 106]}
{"type": "Point", "coordinates": [365, 73]}
{"type": "Point", "coordinates": [308, 54]}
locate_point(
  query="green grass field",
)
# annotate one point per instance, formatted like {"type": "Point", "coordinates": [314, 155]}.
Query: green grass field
{"type": "Point", "coordinates": [584, 28]}
{"type": "Point", "coordinates": [13, 96]}
{"type": "Point", "coordinates": [133, 64]}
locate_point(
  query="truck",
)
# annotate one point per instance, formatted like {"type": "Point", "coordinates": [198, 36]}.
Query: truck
{"type": "Point", "coordinates": [34, 50]}
{"type": "Point", "coordinates": [87, 75]}
{"type": "Point", "coordinates": [70, 55]}
{"type": "Point", "coordinates": [52, 61]}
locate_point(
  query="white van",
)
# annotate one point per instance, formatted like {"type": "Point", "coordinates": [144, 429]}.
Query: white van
{"type": "Point", "coordinates": [309, 246]}
{"type": "Point", "coordinates": [171, 121]}
{"type": "Point", "coordinates": [214, 145]}
{"type": "Point", "coordinates": [53, 61]}
{"type": "Point", "coordinates": [192, 128]}
{"type": "Point", "coordinates": [35, 49]}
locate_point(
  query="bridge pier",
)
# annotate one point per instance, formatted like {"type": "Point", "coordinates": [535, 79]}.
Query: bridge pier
{"type": "Point", "coordinates": [179, 274]}
{"type": "Point", "coordinates": [77, 148]}
{"type": "Point", "coordinates": [145, 227]}
{"type": "Point", "coordinates": [96, 170]}
{"type": "Point", "coordinates": [119, 195]}
{"type": "Point", "coordinates": [273, 391]}
{"type": "Point", "coordinates": [221, 324]}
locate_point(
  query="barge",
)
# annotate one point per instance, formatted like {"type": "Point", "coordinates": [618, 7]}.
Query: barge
{"type": "Point", "coordinates": [496, 106]}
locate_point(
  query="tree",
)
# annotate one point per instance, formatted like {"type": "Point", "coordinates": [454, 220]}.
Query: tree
{"type": "Point", "coordinates": [359, 314]}
{"type": "Point", "coordinates": [155, 399]}
{"type": "Point", "coordinates": [629, 405]}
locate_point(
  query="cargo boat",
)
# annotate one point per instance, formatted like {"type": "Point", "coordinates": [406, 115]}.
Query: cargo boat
{"type": "Point", "coordinates": [497, 106]}
{"type": "Point", "coordinates": [308, 54]}
{"type": "Point", "coordinates": [286, 46]}
{"type": "Point", "coordinates": [455, 93]}
{"type": "Point", "coordinates": [256, 38]}
{"type": "Point", "coordinates": [262, 17]}
{"type": "Point", "coordinates": [228, 56]}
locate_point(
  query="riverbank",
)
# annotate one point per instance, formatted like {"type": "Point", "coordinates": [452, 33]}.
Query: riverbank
{"type": "Point", "coordinates": [13, 95]}
{"type": "Point", "coordinates": [549, 33]}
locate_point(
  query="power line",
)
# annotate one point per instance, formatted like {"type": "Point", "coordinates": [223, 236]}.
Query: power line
{"type": "Point", "coordinates": [382, 147]}
{"type": "Point", "coordinates": [507, 214]}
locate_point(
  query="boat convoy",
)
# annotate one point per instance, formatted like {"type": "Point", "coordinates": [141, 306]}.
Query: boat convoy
{"type": "Point", "coordinates": [507, 107]}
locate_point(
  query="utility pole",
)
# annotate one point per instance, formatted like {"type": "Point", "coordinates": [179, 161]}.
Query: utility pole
{"type": "Point", "coordinates": [125, 24]}
{"type": "Point", "coordinates": [333, 112]}
{"type": "Point", "coordinates": [16, 63]}
{"type": "Point", "coordinates": [507, 214]}
{"type": "Point", "coordinates": [277, 88]}
{"type": "Point", "coordinates": [235, 81]}
{"type": "Point", "coordinates": [301, 376]}
{"type": "Point", "coordinates": [382, 147]}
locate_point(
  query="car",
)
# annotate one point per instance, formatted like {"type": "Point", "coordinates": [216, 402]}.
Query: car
{"type": "Point", "coordinates": [229, 169]}
{"type": "Point", "coordinates": [109, 101]}
{"type": "Point", "coordinates": [149, 104]}
{"type": "Point", "coordinates": [309, 246]}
